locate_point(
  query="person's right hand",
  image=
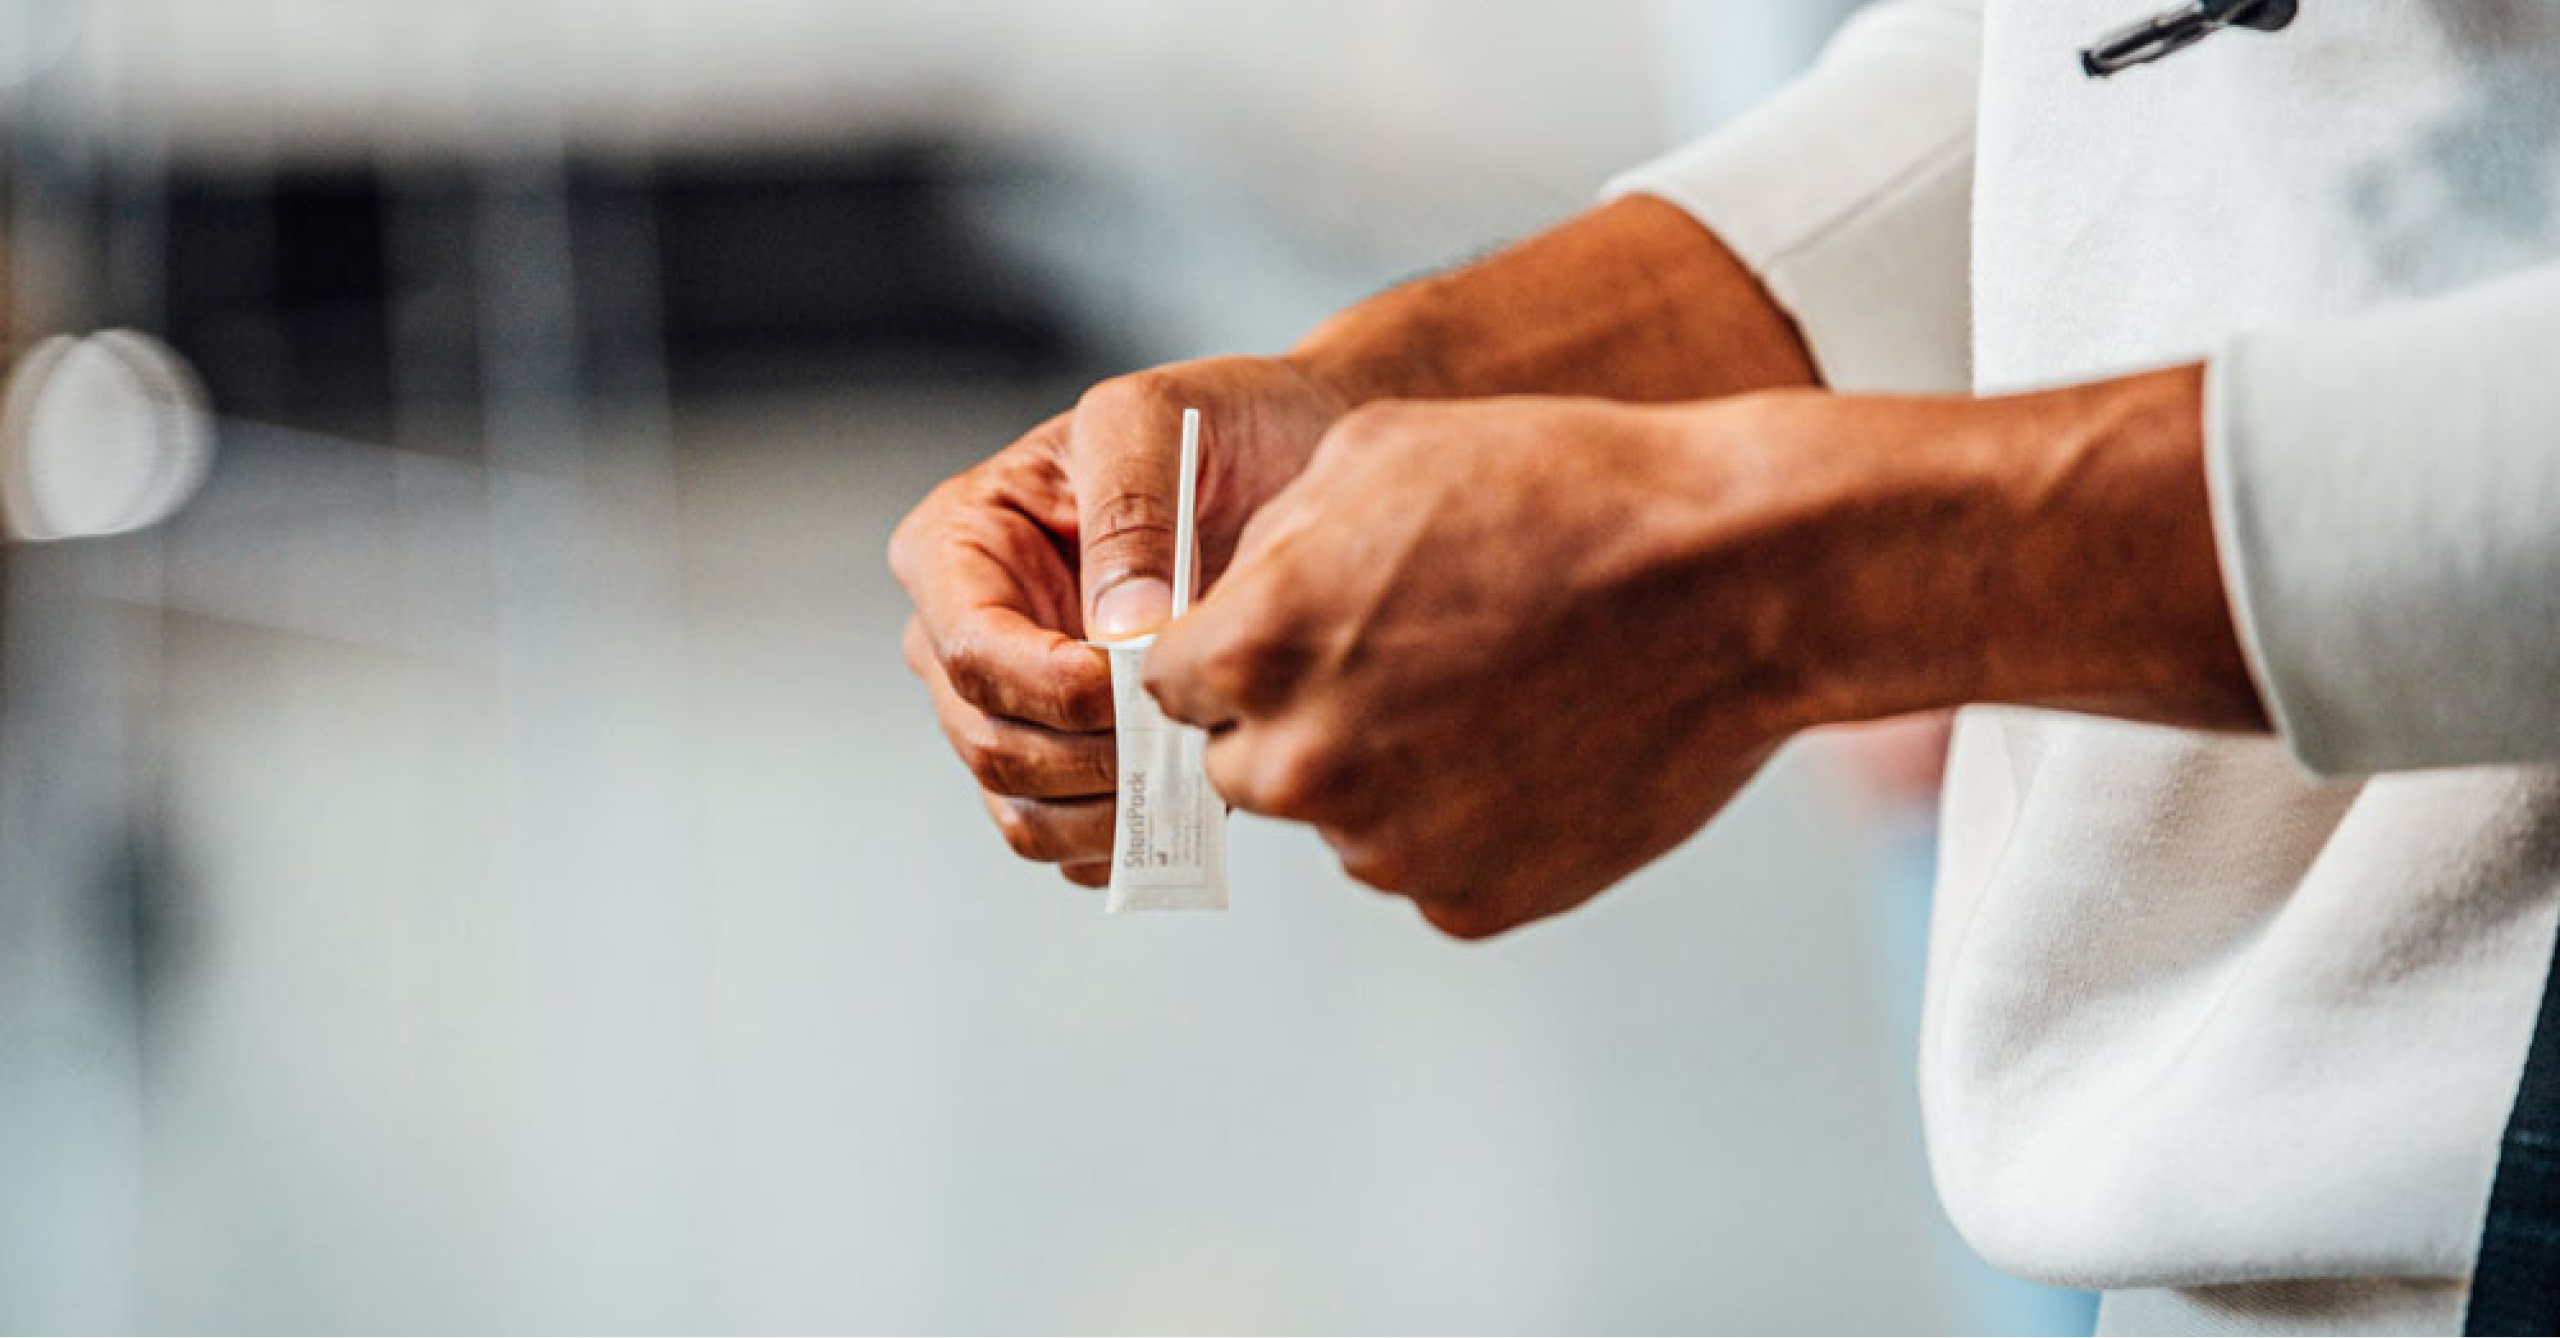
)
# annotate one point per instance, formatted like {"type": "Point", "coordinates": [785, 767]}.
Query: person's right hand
{"type": "Point", "coordinates": [1068, 534]}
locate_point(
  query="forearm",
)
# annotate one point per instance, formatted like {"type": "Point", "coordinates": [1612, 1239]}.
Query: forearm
{"type": "Point", "coordinates": [1632, 301]}
{"type": "Point", "coordinates": [2052, 549]}
{"type": "Point", "coordinates": [2109, 597]}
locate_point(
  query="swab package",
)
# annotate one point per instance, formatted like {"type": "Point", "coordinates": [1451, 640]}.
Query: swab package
{"type": "Point", "coordinates": [1169, 833]}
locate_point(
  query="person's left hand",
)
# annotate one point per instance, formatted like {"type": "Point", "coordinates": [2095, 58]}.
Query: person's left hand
{"type": "Point", "coordinates": [1500, 654]}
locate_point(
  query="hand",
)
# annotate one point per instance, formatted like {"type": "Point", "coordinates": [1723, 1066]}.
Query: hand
{"type": "Point", "coordinates": [1501, 654]}
{"type": "Point", "coordinates": [1068, 533]}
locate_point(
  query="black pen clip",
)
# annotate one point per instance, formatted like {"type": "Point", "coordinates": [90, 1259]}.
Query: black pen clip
{"type": "Point", "coordinates": [2175, 30]}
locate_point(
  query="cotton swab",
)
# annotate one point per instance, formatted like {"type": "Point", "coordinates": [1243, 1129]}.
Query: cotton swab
{"type": "Point", "coordinates": [1185, 499]}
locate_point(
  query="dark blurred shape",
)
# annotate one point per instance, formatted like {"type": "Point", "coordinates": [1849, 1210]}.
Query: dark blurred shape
{"type": "Point", "coordinates": [143, 908]}
{"type": "Point", "coordinates": [277, 287]}
{"type": "Point", "coordinates": [812, 264]}
{"type": "Point", "coordinates": [295, 290]}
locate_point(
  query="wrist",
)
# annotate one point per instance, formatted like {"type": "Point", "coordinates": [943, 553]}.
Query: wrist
{"type": "Point", "coordinates": [1387, 347]}
{"type": "Point", "coordinates": [1634, 301]}
{"type": "Point", "coordinates": [1869, 528]}
{"type": "Point", "coordinates": [2051, 549]}
{"type": "Point", "coordinates": [2113, 585]}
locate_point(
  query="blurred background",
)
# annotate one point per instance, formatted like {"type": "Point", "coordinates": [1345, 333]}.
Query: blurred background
{"type": "Point", "coordinates": [481, 865]}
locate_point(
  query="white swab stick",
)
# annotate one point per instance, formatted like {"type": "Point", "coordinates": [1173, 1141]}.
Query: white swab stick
{"type": "Point", "coordinates": [1185, 499]}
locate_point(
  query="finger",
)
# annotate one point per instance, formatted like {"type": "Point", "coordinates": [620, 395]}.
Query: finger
{"type": "Point", "coordinates": [1239, 654]}
{"type": "Point", "coordinates": [1196, 668]}
{"type": "Point", "coordinates": [1374, 862]}
{"type": "Point", "coordinates": [1274, 771]}
{"type": "Point", "coordinates": [1011, 757]}
{"type": "Point", "coordinates": [1054, 831]}
{"type": "Point", "coordinates": [1094, 875]}
{"type": "Point", "coordinates": [1190, 687]}
{"type": "Point", "coordinates": [1005, 665]}
{"type": "Point", "coordinates": [996, 597]}
{"type": "Point", "coordinates": [1227, 761]}
{"type": "Point", "coordinates": [1123, 462]}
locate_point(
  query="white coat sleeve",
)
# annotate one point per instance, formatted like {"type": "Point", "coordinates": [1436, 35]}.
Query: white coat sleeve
{"type": "Point", "coordinates": [1849, 193]}
{"type": "Point", "coordinates": [2386, 495]}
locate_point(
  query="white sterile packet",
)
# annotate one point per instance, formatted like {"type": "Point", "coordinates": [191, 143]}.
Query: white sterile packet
{"type": "Point", "coordinates": [1169, 833]}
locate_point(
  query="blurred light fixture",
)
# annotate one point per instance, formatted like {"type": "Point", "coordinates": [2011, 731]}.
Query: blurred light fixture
{"type": "Point", "coordinates": [100, 435]}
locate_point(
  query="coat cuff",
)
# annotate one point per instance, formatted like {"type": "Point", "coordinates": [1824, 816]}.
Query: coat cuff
{"type": "Point", "coordinates": [2386, 500]}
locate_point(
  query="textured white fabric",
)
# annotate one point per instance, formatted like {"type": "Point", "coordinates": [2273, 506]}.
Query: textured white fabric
{"type": "Point", "coordinates": [2196, 1016]}
{"type": "Point", "coordinates": [2350, 1306]}
{"type": "Point", "coordinates": [2435, 639]}
{"type": "Point", "coordinates": [1855, 222]}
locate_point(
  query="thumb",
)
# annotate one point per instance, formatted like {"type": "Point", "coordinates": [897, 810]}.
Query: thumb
{"type": "Point", "coordinates": [1131, 606]}
{"type": "Point", "coordinates": [1123, 459]}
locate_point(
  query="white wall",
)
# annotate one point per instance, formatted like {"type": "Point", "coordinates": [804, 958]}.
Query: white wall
{"type": "Point", "coordinates": [585, 928]}
{"type": "Point", "coordinates": [697, 992]}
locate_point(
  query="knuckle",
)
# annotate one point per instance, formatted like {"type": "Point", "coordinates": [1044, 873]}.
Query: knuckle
{"type": "Point", "coordinates": [1370, 425]}
{"type": "Point", "coordinates": [968, 668]}
{"type": "Point", "coordinates": [916, 649]}
{"type": "Point", "coordinates": [1166, 673]}
{"type": "Point", "coordinates": [1022, 831]}
{"type": "Point", "coordinates": [1130, 393]}
{"type": "Point", "coordinates": [1218, 673]}
{"type": "Point", "coordinates": [1184, 676]}
{"type": "Point", "coordinates": [1298, 778]}
{"type": "Point", "coordinates": [1068, 689]}
{"type": "Point", "coordinates": [913, 542]}
{"type": "Point", "coordinates": [1257, 671]}
{"type": "Point", "coordinates": [1467, 921]}
{"type": "Point", "coordinates": [989, 761]}
{"type": "Point", "coordinates": [1095, 761]}
{"type": "Point", "coordinates": [1120, 519]}
{"type": "Point", "coordinates": [1082, 701]}
{"type": "Point", "coordinates": [904, 544]}
{"type": "Point", "coordinates": [1228, 661]}
{"type": "Point", "coordinates": [1376, 866]}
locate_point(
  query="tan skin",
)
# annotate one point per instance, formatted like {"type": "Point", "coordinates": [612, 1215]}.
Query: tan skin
{"type": "Point", "coordinates": [1501, 652]}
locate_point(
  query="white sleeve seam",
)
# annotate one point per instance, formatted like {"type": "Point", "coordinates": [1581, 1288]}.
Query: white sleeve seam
{"type": "Point", "coordinates": [1955, 148]}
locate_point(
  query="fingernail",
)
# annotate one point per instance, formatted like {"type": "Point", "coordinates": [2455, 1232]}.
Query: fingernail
{"type": "Point", "coordinates": [1137, 604]}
